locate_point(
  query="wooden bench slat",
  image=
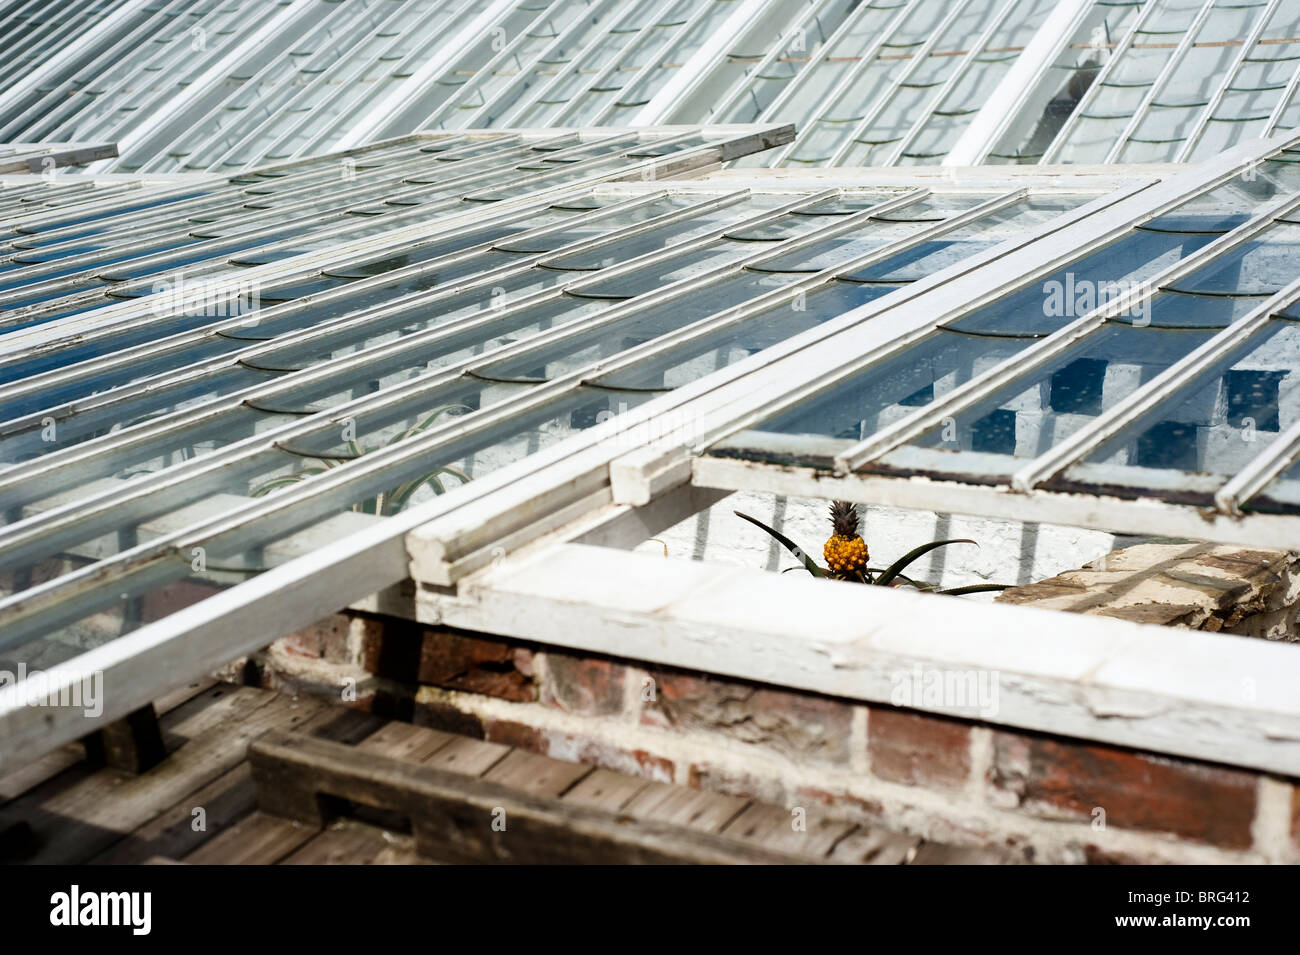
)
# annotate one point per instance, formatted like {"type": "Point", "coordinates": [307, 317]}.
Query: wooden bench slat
{"type": "Point", "coordinates": [693, 808]}
{"type": "Point", "coordinates": [539, 775]}
{"type": "Point", "coordinates": [868, 845]}
{"type": "Point", "coordinates": [453, 815]}
{"type": "Point", "coordinates": [257, 839]}
{"type": "Point", "coordinates": [605, 789]}
{"type": "Point", "coordinates": [774, 827]}
{"type": "Point", "coordinates": [473, 757]}
{"type": "Point", "coordinates": [405, 741]}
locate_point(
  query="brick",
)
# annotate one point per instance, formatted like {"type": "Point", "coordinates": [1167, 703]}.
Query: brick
{"type": "Point", "coordinates": [918, 749]}
{"type": "Point", "coordinates": [324, 640]}
{"type": "Point", "coordinates": [801, 726]}
{"type": "Point", "coordinates": [1064, 779]}
{"type": "Point", "coordinates": [513, 733]}
{"type": "Point", "coordinates": [847, 803]}
{"type": "Point", "coordinates": [399, 650]}
{"type": "Point", "coordinates": [585, 685]}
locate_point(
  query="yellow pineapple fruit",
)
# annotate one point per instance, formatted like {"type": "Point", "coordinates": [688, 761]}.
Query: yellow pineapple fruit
{"type": "Point", "coordinates": [845, 550]}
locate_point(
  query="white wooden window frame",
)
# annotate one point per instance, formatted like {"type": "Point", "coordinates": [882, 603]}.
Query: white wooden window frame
{"type": "Point", "coordinates": [487, 557]}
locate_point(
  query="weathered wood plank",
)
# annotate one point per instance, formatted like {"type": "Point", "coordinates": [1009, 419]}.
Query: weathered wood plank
{"type": "Point", "coordinates": [935, 853]}
{"type": "Point", "coordinates": [183, 694]}
{"type": "Point", "coordinates": [868, 845]}
{"type": "Point", "coordinates": [224, 801]}
{"type": "Point", "coordinates": [350, 842]}
{"type": "Point", "coordinates": [18, 781]}
{"type": "Point", "coordinates": [405, 741]}
{"type": "Point", "coordinates": [784, 830]}
{"type": "Point", "coordinates": [538, 775]}
{"type": "Point", "coordinates": [453, 816]}
{"type": "Point", "coordinates": [257, 839]}
{"type": "Point", "coordinates": [605, 789]}
{"type": "Point", "coordinates": [15, 782]}
{"type": "Point", "coordinates": [76, 821]}
{"type": "Point", "coordinates": [473, 757]}
{"type": "Point", "coordinates": [682, 806]}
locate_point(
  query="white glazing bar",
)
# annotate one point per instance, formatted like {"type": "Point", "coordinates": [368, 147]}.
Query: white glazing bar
{"type": "Point", "coordinates": [48, 110]}
{"type": "Point", "coordinates": [1099, 82]}
{"type": "Point", "coordinates": [1173, 380]}
{"type": "Point", "coordinates": [483, 71]}
{"type": "Point", "coordinates": [1247, 46]}
{"type": "Point", "coordinates": [1275, 116]}
{"type": "Point", "coordinates": [845, 82]}
{"type": "Point", "coordinates": [344, 72]}
{"type": "Point", "coordinates": [796, 371]}
{"type": "Point", "coordinates": [916, 59]}
{"type": "Point", "coordinates": [213, 75]}
{"type": "Point", "coordinates": [543, 90]}
{"type": "Point", "coordinates": [105, 26]}
{"type": "Point", "coordinates": [926, 111]}
{"type": "Point", "coordinates": [741, 88]}
{"type": "Point", "coordinates": [1103, 512]}
{"type": "Point", "coordinates": [602, 116]}
{"type": "Point", "coordinates": [529, 73]}
{"type": "Point", "coordinates": [732, 141]}
{"type": "Point", "coordinates": [372, 125]}
{"type": "Point", "coordinates": [690, 73]}
{"type": "Point", "coordinates": [1041, 352]}
{"type": "Point", "coordinates": [1013, 90]}
{"type": "Point", "coordinates": [1171, 65]}
{"type": "Point", "coordinates": [1280, 454]}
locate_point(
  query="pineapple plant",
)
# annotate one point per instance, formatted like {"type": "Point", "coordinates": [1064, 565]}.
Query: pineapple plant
{"type": "Point", "coordinates": [845, 550]}
{"type": "Point", "coordinates": [846, 555]}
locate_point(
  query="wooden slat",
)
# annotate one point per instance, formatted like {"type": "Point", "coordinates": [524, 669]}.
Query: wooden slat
{"type": "Point", "coordinates": [537, 775]}
{"type": "Point", "coordinates": [867, 845]}
{"type": "Point", "coordinates": [349, 842]}
{"type": "Point", "coordinates": [15, 782]}
{"type": "Point", "coordinates": [182, 694]}
{"type": "Point", "coordinates": [605, 789]}
{"type": "Point", "coordinates": [257, 839]}
{"type": "Point", "coordinates": [681, 806]}
{"type": "Point", "coordinates": [452, 815]}
{"type": "Point", "coordinates": [934, 853]}
{"type": "Point", "coordinates": [404, 741]}
{"type": "Point", "coordinates": [18, 781]}
{"type": "Point", "coordinates": [473, 757]}
{"type": "Point", "coordinates": [78, 815]}
{"type": "Point", "coordinates": [773, 828]}
{"type": "Point", "coordinates": [224, 801]}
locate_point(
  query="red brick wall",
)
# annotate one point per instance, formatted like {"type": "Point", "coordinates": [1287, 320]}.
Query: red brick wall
{"type": "Point", "coordinates": [1050, 798]}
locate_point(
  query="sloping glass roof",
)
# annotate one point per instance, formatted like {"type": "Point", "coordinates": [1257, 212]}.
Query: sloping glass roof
{"type": "Point", "coordinates": [401, 370]}
{"type": "Point", "coordinates": [225, 84]}
{"type": "Point", "coordinates": [1159, 365]}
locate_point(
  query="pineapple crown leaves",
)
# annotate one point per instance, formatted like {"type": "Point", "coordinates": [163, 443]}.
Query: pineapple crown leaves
{"type": "Point", "coordinates": [879, 578]}
{"type": "Point", "coordinates": [844, 518]}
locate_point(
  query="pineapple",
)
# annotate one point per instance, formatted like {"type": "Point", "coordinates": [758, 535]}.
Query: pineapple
{"type": "Point", "coordinates": [845, 550]}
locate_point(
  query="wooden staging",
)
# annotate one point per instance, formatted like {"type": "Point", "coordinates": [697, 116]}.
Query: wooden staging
{"type": "Point", "coordinates": [256, 777]}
